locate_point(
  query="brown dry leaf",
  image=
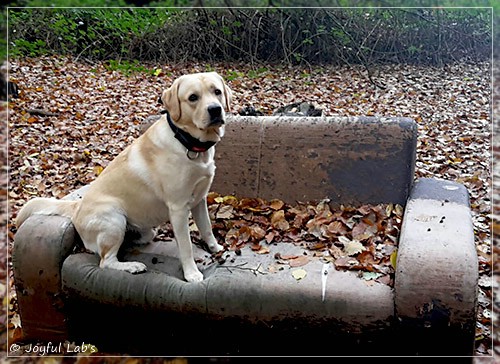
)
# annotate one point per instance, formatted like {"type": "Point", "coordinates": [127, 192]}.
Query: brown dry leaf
{"type": "Point", "coordinates": [335, 251]}
{"type": "Point", "coordinates": [232, 234]}
{"type": "Point", "coordinates": [244, 233]}
{"type": "Point", "coordinates": [315, 228]}
{"type": "Point", "coordinates": [298, 221]}
{"type": "Point", "coordinates": [366, 209]}
{"type": "Point", "coordinates": [211, 198]}
{"type": "Point", "coordinates": [252, 204]}
{"type": "Point", "coordinates": [230, 200]}
{"type": "Point", "coordinates": [316, 245]}
{"type": "Point", "coordinates": [270, 236]}
{"type": "Point", "coordinates": [273, 269]}
{"type": "Point", "coordinates": [300, 210]}
{"type": "Point", "coordinates": [278, 220]}
{"type": "Point", "coordinates": [299, 261]}
{"type": "Point", "coordinates": [263, 250]}
{"type": "Point", "coordinates": [255, 247]}
{"type": "Point", "coordinates": [346, 262]}
{"type": "Point", "coordinates": [363, 231]}
{"type": "Point", "coordinates": [225, 212]}
{"type": "Point", "coordinates": [366, 259]}
{"type": "Point", "coordinates": [335, 228]}
{"type": "Point", "coordinates": [276, 204]}
{"type": "Point", "coordinates": [353, 247]}
{"type": "Point", "coordinates": [257, 232]}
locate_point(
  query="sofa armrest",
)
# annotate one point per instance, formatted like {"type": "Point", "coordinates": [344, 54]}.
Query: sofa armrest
{"type": "Point", "coordinates": [437, 269]}
{"type": "Point", "coordinates": [41, 245]}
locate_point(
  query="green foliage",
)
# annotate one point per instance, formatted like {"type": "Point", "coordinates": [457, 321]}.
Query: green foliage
{"type": "Point", "coordinates": [128, 68]}
{"type": "Point", "coordinates": [233, 75]}
{"type": "Point", "coordinates": [3, 32]}
{"type": "Point", "coordinates": [95, 32]}
{"type": "Point", "coordinates": [299, 35]}
{"type": "Point", "coordinates": [257, 72]}
{"type": "Point", "coordinates": [33, 49]}
{"type": "Point", "coordinates": [69, 3]}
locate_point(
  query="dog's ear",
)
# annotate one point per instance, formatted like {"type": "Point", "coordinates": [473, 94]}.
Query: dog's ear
{"type": "Point", "coordinates": [171, 102]}
{"type": "Point", "coordinates": [228, 95]}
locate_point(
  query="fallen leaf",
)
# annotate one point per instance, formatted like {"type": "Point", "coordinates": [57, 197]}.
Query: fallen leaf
{"type": "Point", "coordinates": [230, 200]}
{"type": "Point", "coordinates": [299, 261]}
{"type": "Point", "coordinates": [353, 247]}
{"type": "Point", "coordinates": [263, 250]}
{"type": "Point", "coordinates": [273, 269]}
{"type": "Point", "coordinates": [299, 274]}
{"type": "Point", "coordinates": [276, 204]}
{"type": "Point", "coordinates": [394, 256]}
{"type": "Point", "coordinates": [335, 228]}
{"type": "Point", "coordinates": [270, 236]}
{"type": "Point", "coordinates": [367, 258]}
{"type": "Point", "coordinates": [278, 220]}
{"type": "Point", "coordinates": [342, 239]}
{"type": "Point", "coordinates": [255, 247]}
{"type": "Point", "coordinates": [15, 320]}
{"type": "Point", "coordinates": [335, 251]}
{"type": "Point", "coordinates": [98, 170]}
{"type": "Point", "coordinates": [225, 212]}
{"type": "Point", "coordinates": [367, 276]}
{"type": "Point", "coordinates": [257, 232]}
{"type": "Point", "coordinates": [346, 262]}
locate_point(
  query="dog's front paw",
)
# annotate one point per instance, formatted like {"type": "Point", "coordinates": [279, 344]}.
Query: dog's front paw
{"type": "Point", "coordinates": [193, 276]}
{"type": "Point", "coordinates": [131, 267]}
{"type": "Point", "coordinates": [215, 247]}
{"type": "Point", "coordinates": [134, 267]}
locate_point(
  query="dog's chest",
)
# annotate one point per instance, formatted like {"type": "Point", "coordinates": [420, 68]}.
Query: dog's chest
{"type": "Point", "coordinates": [202, 177]}
{"type": "Point", "coordinates": [188, 181]}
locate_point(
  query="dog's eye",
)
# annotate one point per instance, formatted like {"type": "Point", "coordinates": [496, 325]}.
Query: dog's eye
{"type": "Point", "coordinates": [193, 97]}
{"type": "Point", "coordinates": [218, 92]}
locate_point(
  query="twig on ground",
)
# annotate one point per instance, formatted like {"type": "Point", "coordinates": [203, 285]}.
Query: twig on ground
{"type": "Point", "coordinates": [240, 266]}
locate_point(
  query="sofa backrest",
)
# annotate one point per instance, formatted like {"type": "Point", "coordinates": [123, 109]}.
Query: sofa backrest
{"type": "Point", "coordinates": [349, 160]}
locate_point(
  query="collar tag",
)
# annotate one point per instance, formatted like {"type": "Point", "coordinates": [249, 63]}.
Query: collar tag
{"type": "Point", "coordinates": [192, 155]}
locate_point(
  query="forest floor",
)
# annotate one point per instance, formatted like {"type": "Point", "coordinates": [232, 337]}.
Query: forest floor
{"type": "Point", "coordinates": [72, 118]}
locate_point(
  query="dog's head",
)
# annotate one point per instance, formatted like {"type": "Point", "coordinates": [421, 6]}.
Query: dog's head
{"type": "Point", "coordinates": [198, 104]}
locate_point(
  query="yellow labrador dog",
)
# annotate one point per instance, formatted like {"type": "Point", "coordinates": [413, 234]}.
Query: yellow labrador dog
{"type": "Point", "coordinates": [163, 175]}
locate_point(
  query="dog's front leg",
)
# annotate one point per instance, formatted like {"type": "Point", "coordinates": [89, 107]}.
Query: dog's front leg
{"type": "Point", "coordinates": [202, 220]}
{"type": "Point", "coordinates": [179, 220]}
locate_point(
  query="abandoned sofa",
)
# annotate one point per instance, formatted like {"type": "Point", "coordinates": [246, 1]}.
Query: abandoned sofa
{"type": "Point", "coordinates": [239, 310]}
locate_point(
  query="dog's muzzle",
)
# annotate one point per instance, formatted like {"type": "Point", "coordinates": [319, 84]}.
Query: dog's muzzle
{"type": "Point", "coordinates": [215, 112]}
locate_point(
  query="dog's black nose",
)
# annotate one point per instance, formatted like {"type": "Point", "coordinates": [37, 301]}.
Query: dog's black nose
{"type": "Point", "coordinates": [215, 111]}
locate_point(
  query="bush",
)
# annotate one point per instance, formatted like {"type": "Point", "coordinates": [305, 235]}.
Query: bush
{"type": "Point", "coordinates": [315, 36]}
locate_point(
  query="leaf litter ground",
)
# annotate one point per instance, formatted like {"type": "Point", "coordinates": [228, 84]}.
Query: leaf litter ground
{"type": "Point", "coordinates": [72, 118]}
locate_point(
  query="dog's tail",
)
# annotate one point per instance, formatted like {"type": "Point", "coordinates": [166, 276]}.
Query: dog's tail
{"type": "Point", "coordinates": [46, 206]}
